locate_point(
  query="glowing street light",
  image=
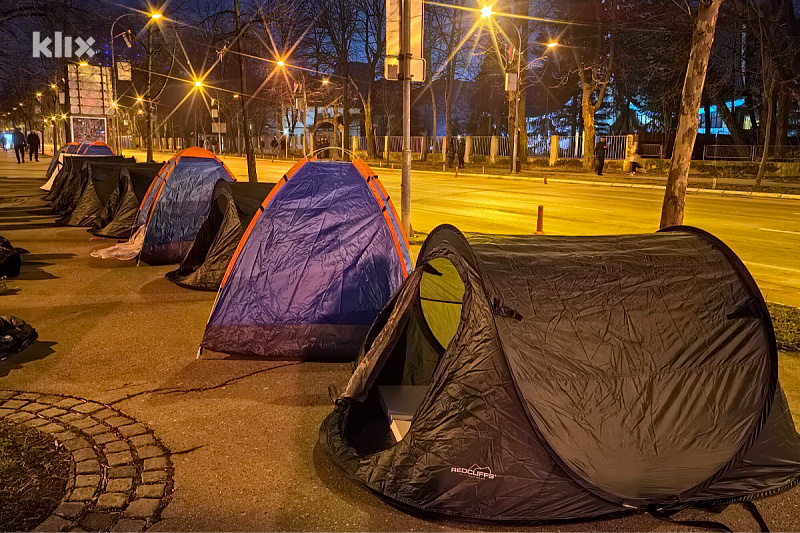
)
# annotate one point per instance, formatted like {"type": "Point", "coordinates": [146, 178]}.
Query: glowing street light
{"type": "Point", "coordinates": [155, 15]}
{"type": "Point", "coordinates": [138, 98]}
{"type": "Point", "coordinates": [326, 81]}
{"type": "Point", "coordinates": [38, 95]}
{"type": "Point", "coordinates": [486, 12]}
{"type": "Point", "coordinates": [140, 111]}
{"type": "Point", "coordinates": [198, 83]}
{"type": "Point", "coordinates": [83, 63]}
{"type": "Point", "coordinates": [281, 63]}
{"type": "Point", "coordinates": [53, 86]}
{"type": "Point", "coordinates": [552, 44]}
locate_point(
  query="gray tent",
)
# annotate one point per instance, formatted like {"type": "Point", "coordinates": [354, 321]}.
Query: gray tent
{"type": "Point", "coordinates": [556, 378]}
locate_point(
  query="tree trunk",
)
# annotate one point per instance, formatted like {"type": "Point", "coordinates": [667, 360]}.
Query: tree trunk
{"type": "Point", "coordinates": [372, 151]}
{"type": "Point", "coordinates": [769, 98]}
{"type": "Point", "coordinates": [730, 120]}
{"type": "Point", "coordinates": [433, 111]}
{"type": "Point", "coordinates": [705, 25]}
{"type": "Point", "coordinates": [587, 112]}
{"type": "Point", "coordinates": [248, 146]}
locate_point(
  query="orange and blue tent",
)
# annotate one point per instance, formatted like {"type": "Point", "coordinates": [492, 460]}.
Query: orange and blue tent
{"type": "Point", "coordinates": [94, 148]}
{"type": "Point", "coordinates": [318, 262]}
{"type": "Point", "coordinates": [176, 203]}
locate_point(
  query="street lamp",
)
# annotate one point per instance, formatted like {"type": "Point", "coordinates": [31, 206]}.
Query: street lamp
{"type": "Point", "coordinates": [486, 12]}
{"type": "Point", "coordinates": [281, 63]}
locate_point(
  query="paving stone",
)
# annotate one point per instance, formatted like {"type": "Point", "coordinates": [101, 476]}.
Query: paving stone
{"type": "Point", "coordinates": [6, 412]}
{"type": "Point", "coordinates": [76, 444]}
{"type": "Point", "coordinates": [156, 463]}
{"type": "Point", "coordinates": [105, 413]}
{"type": "Point", "coordinates": [118, 421]}
{"type": "Point", "coordinates": [87, 408]}
{"type": "Point", "coordinates": [142, 507]}
{"type": "Point", "coordinates": [122, 471]}
{"type": "Point", "coordinates": [69, 509]}
{"type": "Point", "coordinates": [98, 521]}
{"type": "Point", "coordinates": [14, 404]}
{"type": "Point", "coordinates": [20, 417]}
{"type": "Point", "coordinates": [50, 399]}
{"type": "Point", "coordinates": [87, 467]}
{"type": "Point", "coordinates": [104, 438]}
{"type": "Point", "coordinates": [6, 394]}
{"type": "Point", "coordinates": [122, 484]}
{"type": "Point", "coordinates": [117, 446]}
{"type": "Point", "coordinates": [36, 422]}
{"type": "Point", "coordinates": [54, 523]}
{"type": "Point", "coordinates": [129, 526]}
{"type": "Point", "coordinates": [83, 424]}
{"type": "Point", "coordinates": [112, 500]}
{"type": "Point", "coordinates": [150, 491]}
{"type": "Point", "coordinates": [149, 451]}
{"type": "Point", "coordinates": [94, 430]}
{"type": "Point", "coordinates": [154, 476]}
{"type": "Point", "coordinates": [35, 407]}
{"type": "Point", "coordinates": [84, 454]}
{"type": "Point", "coordinates": [64, 435]}
{"type": "Point", "coordinates": [132, 430]}
{"type": "Point", "coordinates": [30, 396]}
{"type": "Point", "coordinates": [142, 440]}
{"type": "Point", "coordinates": [53, 412]}
{"type": "Point", "coordinates": [82, 494]}
{"type": "Point", "coordinates": [121, 458]}
{"type": "Point", "coordinates": [52, 428]}
{"type": "Point", "coordinates": [66, 403]}
{"type": "Point", "coordinates": [71, 417]}
{"type": "Point", "coordinates": [92, 480]}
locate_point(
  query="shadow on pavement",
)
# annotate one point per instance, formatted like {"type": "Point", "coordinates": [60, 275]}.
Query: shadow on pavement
{"type": "Point", "coordinates": [36, 351]}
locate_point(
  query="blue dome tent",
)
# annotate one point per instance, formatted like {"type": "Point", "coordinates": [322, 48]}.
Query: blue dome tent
{"type": "Point", "coordinates": [314, 268]}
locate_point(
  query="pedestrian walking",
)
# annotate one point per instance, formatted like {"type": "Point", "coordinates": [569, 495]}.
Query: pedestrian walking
{"type": "Point", "coordinates": [274, 145]}
{"type": "Point", "coordinates": [3, 142]}
{"type": "Point", "coordinates": [18, 140]}
{"type": "Point", "coordinates": [33, 146]}
{"type": "Point", "coordinates": [635, 159]}
{"type": "Point", "coordinates": [462, 150]}
{"type": "Point", "coordinates": [283, 144]}
{"type": "Point", "coordinates": [452, 150]}
{"type": "Point", "coordinates": [600, 155]}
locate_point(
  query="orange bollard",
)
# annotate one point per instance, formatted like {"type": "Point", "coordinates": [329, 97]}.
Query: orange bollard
{"type": "Point", "coordinates": [540, 221]}
{"type": "Point", "coordinates": [484, 169]}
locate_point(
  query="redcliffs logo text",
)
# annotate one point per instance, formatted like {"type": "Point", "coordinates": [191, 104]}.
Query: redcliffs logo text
{"type": "Point", "coordinates": [475, 471]}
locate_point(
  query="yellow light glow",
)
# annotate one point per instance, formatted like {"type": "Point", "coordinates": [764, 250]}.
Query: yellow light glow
{"type": "Point", "coordinates": [486, 12]}
{"type": "Point", "coordinates": [552, 44]}
{"type": "Point", "coordinates": [38, 95]}
{"type": "Point", "coordinates": [198, 83]}
{"type": "Point", "coordinates": [236, 96]}
{"type": "Point", "coordinates": [138, 98]}
{"type": "Point", "coordinates": [63, 116]}
{"type": "Point", "coordinates": [281, 63]}
{"type": "Point", "coordinates": [53, 118]}
{"type": "Point", "coordinates": [155, 15]}
{"type": "Point", "coordinates": [140, 111]}
{"type": "Point", "coordinates": [326, 81]}
{"type": "Point", "coordinates": [83, 64]}
{"type": "Point", "coordinates": [114, 104]}
{"type": "Point", "coordinates": [53, 86]}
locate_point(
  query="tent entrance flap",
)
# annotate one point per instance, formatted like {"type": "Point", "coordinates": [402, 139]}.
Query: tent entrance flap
{"type": "Point", "coordinates": [431, 319]}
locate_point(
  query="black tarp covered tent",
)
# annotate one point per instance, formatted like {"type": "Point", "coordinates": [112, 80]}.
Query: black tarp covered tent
{"type": "Point", "coordinates": [570, 378]}
{"type": "Point", "coordinates": [117, 219]}
{"type": "Point", "coordinates": [233, 205]}
{"type": "Point", "coordinates": [10, 261]}
{"type": "Point", "coordinates": [70, 179]}
{"type": "Point", "coordinates": [99, 180]}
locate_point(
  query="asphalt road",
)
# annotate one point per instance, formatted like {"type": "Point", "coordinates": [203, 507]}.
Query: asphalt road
{"type": "Point", "coordinates": [243, 433]}
{"type": "Point", "coordinates": [764, 232]}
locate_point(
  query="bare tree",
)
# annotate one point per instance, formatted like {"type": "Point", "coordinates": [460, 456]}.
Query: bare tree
{"type": "Point", "coordinates": [705, 22]}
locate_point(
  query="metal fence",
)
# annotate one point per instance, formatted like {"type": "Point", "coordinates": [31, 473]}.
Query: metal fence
{"type": "Point", "coordinates": [728, 152]}
{"type": "Point", "coordinates": [482, 146]}
{"type": "Point", "coordinates": [654, 151]}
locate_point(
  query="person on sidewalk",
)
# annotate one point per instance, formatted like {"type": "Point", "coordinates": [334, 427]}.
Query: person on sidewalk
{"type": "Point", "coordinates": [18, 140]}
{"type": "Point", "coordinates": [462, 147]}
{"type": "Point", "coordinates": [600, 155]}
{"type": "Point", "coordinates": [452, 150]}
{"type": "Point", "coordinates": [3, 142]}
{"type": "Point", "coordinates": [274, 145]}
{"type": "Point", "coordinates": [635, 160]}
{"type": "Point", "coordinates": [33, 146]}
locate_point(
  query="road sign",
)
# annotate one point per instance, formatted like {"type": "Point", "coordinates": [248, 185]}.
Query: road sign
{"type": "Point", "coordinates": [219, 127]}
{"type": "Point", "coordinates": [394, 37]}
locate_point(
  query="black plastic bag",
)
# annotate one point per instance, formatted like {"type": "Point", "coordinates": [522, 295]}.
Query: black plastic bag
{"type": "Point", "coordinates": [10, 261]}
{"type": "Point", "coordinates": [15, 336]}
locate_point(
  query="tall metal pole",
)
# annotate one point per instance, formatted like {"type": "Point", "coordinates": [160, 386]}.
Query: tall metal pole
{"type": "Point", "coordinates": [405, 183]}
{"type": "Point", "coordinates": [148, 103]}
{"type": "Point", "coordinates": [248, 146]}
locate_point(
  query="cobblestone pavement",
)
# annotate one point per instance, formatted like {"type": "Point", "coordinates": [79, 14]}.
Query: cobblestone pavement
{"type": "Point", "coordinates": [121, 475]}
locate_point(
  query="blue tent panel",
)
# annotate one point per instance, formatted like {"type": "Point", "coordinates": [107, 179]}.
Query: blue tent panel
{"type": "Point", "coordinates": [313, 273]}
{"type": "Point", "coordinates": [180, 201]}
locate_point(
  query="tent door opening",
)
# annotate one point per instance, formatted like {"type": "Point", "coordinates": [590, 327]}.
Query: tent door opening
{"type": "Point", "coordinates": [431, 322]}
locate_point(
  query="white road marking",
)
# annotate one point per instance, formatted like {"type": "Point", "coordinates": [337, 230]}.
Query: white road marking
{"type": "Point", "coordinates": [780, 231]}
{"type": "Point", "coordinates": [762, 265]}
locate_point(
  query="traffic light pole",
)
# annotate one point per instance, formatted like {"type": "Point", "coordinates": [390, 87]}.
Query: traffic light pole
{"type": "Point", "coordinates": [405, 184]}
